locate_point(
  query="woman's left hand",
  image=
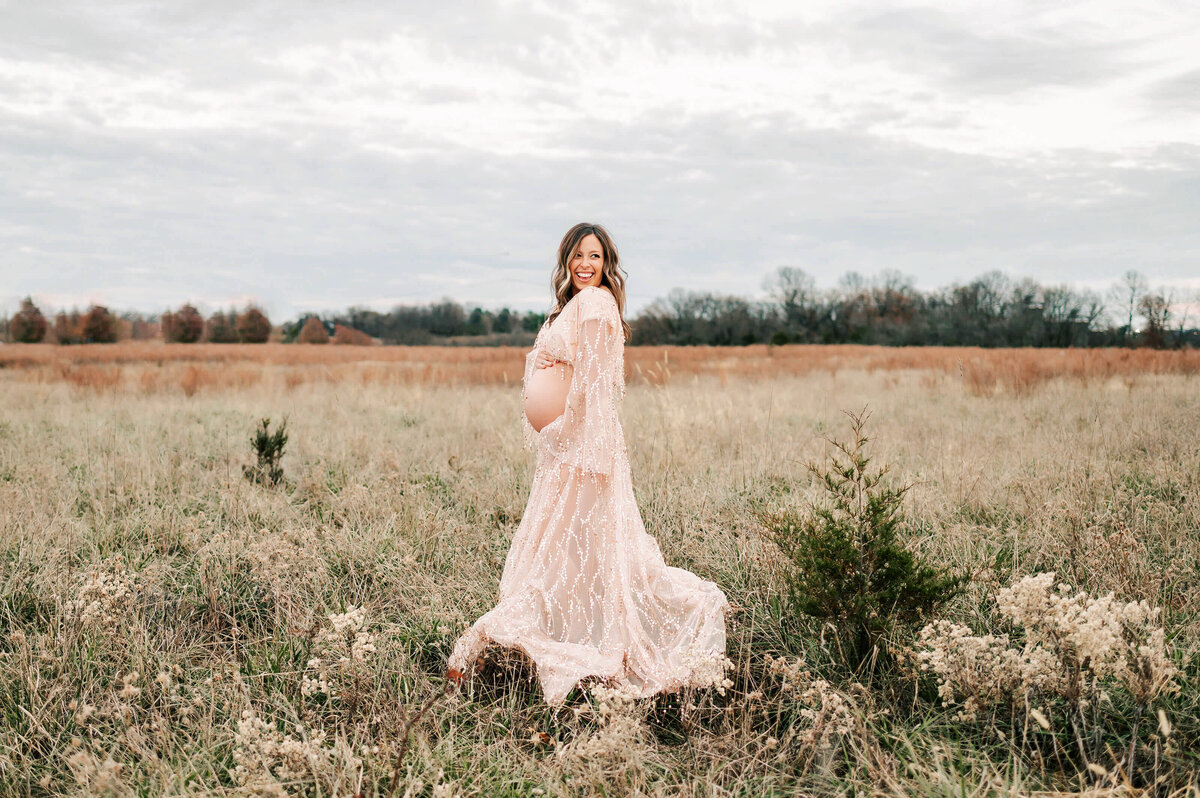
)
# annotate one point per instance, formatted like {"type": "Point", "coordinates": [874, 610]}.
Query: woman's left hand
{"type": "Point", "coordinates": [543, 360]}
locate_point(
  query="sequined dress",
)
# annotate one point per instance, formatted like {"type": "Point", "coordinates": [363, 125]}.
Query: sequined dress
{"type": "Point", "coordinates": [585, 590]}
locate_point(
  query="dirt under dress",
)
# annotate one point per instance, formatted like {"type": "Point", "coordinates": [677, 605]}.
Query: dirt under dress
{"type": "Point", "coordinates": [585, 590]}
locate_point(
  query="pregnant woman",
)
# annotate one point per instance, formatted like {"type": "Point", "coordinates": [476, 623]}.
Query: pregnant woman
{"type": "Point", "coordinates": [585, 590]}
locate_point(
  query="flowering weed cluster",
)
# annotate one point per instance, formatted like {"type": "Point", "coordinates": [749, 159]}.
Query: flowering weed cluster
{"type": "Point", "coordinates": [1072, 648]}
{"type": "Point", "coordinates": [707, 668]}
{"type": "Point", "coordinates": [266, 578]}
{"type": "Point", "coordinates": [105, 597]}
{"type": "Point", "coordinates": [611, 755]}
{"type": "Point", "coordinates": [830, 715]}
{"type": "Point", "coordinates": [343, 651]}
{"type": "Point", "coordinates": [268, 760]}
{"type": "Point", "coordinates": [95, 774]}
{"type": "Point", "coordinates": [281, 559]}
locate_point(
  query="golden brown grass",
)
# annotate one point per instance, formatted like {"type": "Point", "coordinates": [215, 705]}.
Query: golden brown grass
{"type": "Point", "coordinates": [150, 595]}
{"type": "Point", "coordinates": [153, 367]}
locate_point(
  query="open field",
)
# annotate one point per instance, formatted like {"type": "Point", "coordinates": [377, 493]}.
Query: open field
{"type": "Point", "coordinates": [160, 614]}
{"type": "Point", "coordinates": [158, 367]}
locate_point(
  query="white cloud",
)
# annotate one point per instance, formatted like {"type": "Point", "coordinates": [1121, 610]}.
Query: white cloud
{"type": "Point", "coordinates": [364, 155]}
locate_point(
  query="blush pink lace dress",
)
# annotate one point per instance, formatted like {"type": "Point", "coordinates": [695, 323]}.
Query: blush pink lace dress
{"type": "Point", "coordinates": [585, 590]}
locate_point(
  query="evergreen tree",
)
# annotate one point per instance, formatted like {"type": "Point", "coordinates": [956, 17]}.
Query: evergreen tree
{"type": "Point", "coordinates": [29, 325]}
{"type": "Point", "coordinates": [845, 563]}
{"type": "Point", "coordinates": [221, 328]}
{"type": "Point", "coordinates": [98, 326]}
{"type": "Point", "coordinates": [253, 326]}
{"type": "Point", "coordinates": [313, 332]}
{"type": "Point", "coordinates": [66, 327]}
{"type": "Point", "coordinates": [187, 326]}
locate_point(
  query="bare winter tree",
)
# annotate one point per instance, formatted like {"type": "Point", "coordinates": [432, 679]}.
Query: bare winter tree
{"type": "Point", "coordinates": [793, 288]}
{"type": "Point", "coordinates": [1155, 307]}
{"type": "Point", "coordinates": [1126, 294]}
{"type": "Point", "coordinates": [795, 292]}
{"type": "Point", "coordinates": [1185, 305]}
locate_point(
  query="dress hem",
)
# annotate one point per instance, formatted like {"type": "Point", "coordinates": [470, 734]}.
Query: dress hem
{"type": "Point", "coordinates": [486, 642]}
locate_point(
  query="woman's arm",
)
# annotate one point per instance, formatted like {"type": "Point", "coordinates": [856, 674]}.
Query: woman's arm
{"type": "Point", "coordinates": [528, 433]}
{"type": "Point", "coordinates": [590, 435]}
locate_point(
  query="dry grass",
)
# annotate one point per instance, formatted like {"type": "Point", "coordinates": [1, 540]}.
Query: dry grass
{"type": "Point", "coordinates": [150, 596]}
{"type": "Point", "coordinates": [151, 367]}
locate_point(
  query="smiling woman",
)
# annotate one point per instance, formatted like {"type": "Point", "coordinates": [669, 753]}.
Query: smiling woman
{"type": "Point", "coordinates": [585, 590]}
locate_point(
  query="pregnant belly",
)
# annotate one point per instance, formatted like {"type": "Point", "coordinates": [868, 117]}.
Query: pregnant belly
{"type": "Point", "coordinates": [546, 394]}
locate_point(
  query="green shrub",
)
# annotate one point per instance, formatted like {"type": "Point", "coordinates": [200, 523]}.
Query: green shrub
{"type": "Point", "coordinates": [844, 563]}
{"type": "Point", "coordinates": [268, 449]}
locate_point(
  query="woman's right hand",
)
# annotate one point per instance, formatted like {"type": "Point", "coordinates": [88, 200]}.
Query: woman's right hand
{"type": "Point", "coordinates": [543, 360]}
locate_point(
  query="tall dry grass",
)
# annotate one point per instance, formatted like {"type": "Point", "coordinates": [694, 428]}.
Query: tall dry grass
{"type": "Point", "coordinates": [165, 625]}
{"type": "Point", "coordinates": [154, 367]}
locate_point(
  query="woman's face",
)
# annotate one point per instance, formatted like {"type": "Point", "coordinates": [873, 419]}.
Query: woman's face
{"type": "Point", "coordinates": [587, 262]}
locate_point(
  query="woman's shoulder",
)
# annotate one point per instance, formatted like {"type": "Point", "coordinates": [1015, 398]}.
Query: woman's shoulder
{"type": "Point", "coordinates": [591, 291]}
{"type": "Point", "coordinates": [595, 300]}
{"type": "Point", "coordinates": [598, 290]}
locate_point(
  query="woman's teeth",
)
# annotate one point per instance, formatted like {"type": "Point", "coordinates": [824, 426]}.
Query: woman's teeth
{"type": "Point", "coordinates": [584, 275]}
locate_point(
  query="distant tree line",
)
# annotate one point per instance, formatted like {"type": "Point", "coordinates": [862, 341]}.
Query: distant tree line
{"type": "Point", "coordinates": [991, 310]}
{"type": "Point", "coordinates": [98, 325]}
{"type": "Point", "coordinates": [445, 321]}
{"type": "Point", "coordinates": [187, 326]}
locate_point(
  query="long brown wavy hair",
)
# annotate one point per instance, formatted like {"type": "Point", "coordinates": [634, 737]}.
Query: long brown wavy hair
{"type": "Point", "coordinates": [612, 275]}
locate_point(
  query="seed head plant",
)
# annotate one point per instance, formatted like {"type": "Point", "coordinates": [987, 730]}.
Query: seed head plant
{"type": "Point", "coordinates": [1070, 655]}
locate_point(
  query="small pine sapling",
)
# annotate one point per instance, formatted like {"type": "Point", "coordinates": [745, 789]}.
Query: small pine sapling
{"type": "Point", "coordinates": [268, 449]}
{"type": "Point", "coordinates": [843, 561]}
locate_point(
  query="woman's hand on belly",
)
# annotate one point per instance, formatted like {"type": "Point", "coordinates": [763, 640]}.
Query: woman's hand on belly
{"type": "Point", "coordinates": [544, 360]}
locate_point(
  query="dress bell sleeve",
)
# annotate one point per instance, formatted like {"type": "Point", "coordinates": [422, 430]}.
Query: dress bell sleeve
{"type": "Point", "coordinates": [590, 438]}
{"type": "Point", "coordinates": [528, 433]}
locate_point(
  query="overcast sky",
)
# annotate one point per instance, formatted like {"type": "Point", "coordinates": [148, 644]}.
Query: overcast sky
{"type": "Point", "coordinates": [314, 156]}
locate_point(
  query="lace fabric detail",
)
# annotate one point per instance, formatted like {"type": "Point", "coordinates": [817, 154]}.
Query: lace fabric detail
{"type": "Point", "coordinates": [556, 346]}
{"type": "Point", "coordinates": [585, 589]}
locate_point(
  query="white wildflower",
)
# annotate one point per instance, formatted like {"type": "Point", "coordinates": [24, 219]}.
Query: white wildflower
{"type": "Point", "coordinates": [105, 597]}
{"type": "Point", "coordinates": [343, 650]}
{"type": "Point", "coordinates": [264, 756]}
{"type": "Point", "coordinates": [830, 713]}
{"type": "Point", "coordinates": [1072, 646]}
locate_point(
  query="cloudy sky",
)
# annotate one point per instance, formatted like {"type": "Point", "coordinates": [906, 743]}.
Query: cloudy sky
{"type": "Point", "coordinates": [313, 156]}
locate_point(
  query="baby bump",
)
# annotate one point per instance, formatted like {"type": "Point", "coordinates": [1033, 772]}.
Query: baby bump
{"type": "Point", "coordinates": [546, 394]}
